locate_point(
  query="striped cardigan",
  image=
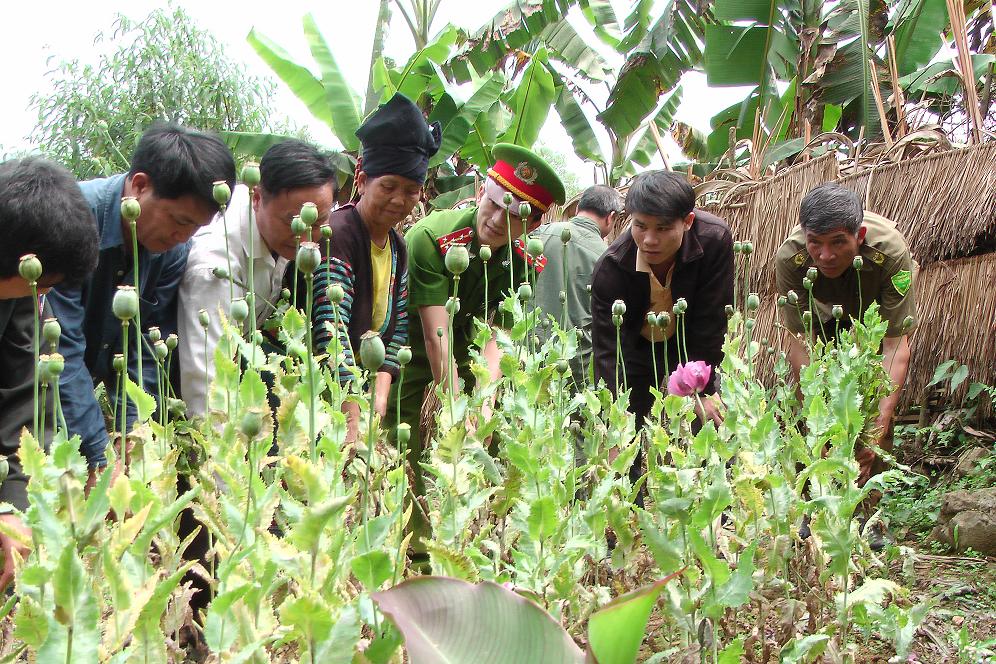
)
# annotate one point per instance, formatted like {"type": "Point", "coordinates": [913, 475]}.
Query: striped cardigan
{"type": "Point", "coordinates": [349, 265]}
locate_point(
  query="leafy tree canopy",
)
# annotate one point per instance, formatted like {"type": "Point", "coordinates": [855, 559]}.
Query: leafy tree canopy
{"type": "Point", "coordinates": [163, 67]}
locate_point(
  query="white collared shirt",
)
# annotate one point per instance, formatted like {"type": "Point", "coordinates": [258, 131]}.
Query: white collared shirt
{"type": "Point", "coordinates": [200, 289]}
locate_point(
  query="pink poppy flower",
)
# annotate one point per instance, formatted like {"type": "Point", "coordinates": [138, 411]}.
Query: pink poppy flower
{"type": "Point", "coordinates": [689, 378]}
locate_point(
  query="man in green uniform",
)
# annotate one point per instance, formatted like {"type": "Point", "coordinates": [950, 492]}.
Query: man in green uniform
{"type": "Point", "coordinates": [840, 240]}
{"type": "Point", "coordinates": [518, 176]}
{"type": "Point", "coordinates": [569, 266]}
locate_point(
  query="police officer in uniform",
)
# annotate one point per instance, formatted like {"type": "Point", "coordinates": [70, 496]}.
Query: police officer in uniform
{"type": "Point", "coordinates": [518, 176]}
{"type": "Point", "coordinates": [860, 258]}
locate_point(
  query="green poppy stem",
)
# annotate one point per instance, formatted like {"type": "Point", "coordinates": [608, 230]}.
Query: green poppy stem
{"type": "Point", "coordinates": [35, 348]}
{"type": "Point", "coordinates": [309, 279]}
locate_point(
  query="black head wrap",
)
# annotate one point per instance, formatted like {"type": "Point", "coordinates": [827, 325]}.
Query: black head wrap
{"type": "Point", "coordinates": [397, 141]}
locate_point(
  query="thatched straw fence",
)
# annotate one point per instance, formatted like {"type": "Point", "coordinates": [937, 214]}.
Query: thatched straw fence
{"type": "Point", "coordinates": [944, 203]}
{"type": "Point", "coordinates": [956, 300]}
{"type": "Point", "coordinates": [765, 212]}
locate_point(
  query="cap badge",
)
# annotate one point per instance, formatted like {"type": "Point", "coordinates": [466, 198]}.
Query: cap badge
{"type": "Point", "coordinates": [525, 172]}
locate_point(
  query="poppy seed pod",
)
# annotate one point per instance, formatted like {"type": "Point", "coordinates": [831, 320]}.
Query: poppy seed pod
{"type": "Point", "coordinates": [664, 319]}
{"type": "Point", "coordinates": [257, 337]}
{"type": "Point", "coordinates": [452, 306]}
{"type": "Point", "coordinates": [250, 174]}
{"type": "Point", "coordinates": [220, 273]}
{"type": "Point", "coordinates": [565, 234]}
{"type": "Point", "coordinates": [908, 323]}
{"type": "Point", "coordinates": [4, 469]}
{"type": "Point", "coordinates": [858, 262]}
{"type": "Point", "coordinates": [738, 247]}
{"type": "Point", "coordinates": [30, 268]}
{"type": "Point", "coordinates": [807, 318]}
{"type": "Point", "coordinates": [507, 198]}
{"type": "Point", "coordinates": [753, 302]}
{"type": "Point", "coordinates": [298, 227]}
{"type": "Point", "coordinates": [404, 433]}
{"type": "Point", "coordinates": [439, 332]}
{"type": "Point", "coordinates": [812, 273]}
{"type": "Point", "coordinates": [326, 232]}
{"type": "Point", "coordinates": [749, 324]}
{"type": "Point", "coordinates": [682, 305]}
{"type": "Point", "coordinates": [807, 283]}
{"type": "Point", "coordinates": [562, 296]}
{"type": "Point", "coordinates": [309, 213]}
{"type": "Point", "coordinates": [221, 192]}
{"type": "Point", "coordinates": [404, 355]}
{"type": "Point", "coordinates": [525, 292]}
{"type": "Point", "coordinates": [125, 303]}
{"type": "Point", "coordinates": [747, 248]}
{"type": "Point", "coordinates": [534, 247]}
{"type": "Point", "coordinates": [335, 293]}
{"type": "Point", "coordinates": [155, 334]}
{"type": "Point", "coordinates": [251, 423]}
{"type": "Point", "coordinates": [729, 310]}
{"type": "Point", "coordinates": [525, 210]}
{"type": "Point", "coordinates": [130, 208]}
{"type": "Point", "coordinates": [838, 311]}
{"type": "Point", "coordinates": [285, 294]}
{"type": "Point", "coordinates": [792, 297]}
{"type": "Point", "coordinates": [172, 341]}
{"type": "Point", "coordinates": [308, 257]}
{"type": "Point", "coordinates": [159, 350]}
{"type": "Point", "coordinates": [372, 351]}
{"type": "Point", "coordinates": [651, 319]}
{"type": "Point", "coordinates": [56, 365]}
{"type": "Point", "coordinates": [782, 301]}
{"type": "Point", "coordinates": [457, 259]}
{"type": "Point", "coordinates": [618, 308]}
{"type": "Point", "coordinates": [203, 318]}
{"type": "Point", "coordinates": [238, 309]}
{"type": "Point", "coordinates": [485, 253]}
{"type": "Point", "coordinates": [51, 331]}
{"type": "Point", "coordinates": [562, 366]}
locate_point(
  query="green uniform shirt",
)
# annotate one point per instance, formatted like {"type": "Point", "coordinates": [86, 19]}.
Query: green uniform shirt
{"type": "Point", "coordinates": [431, 284]}
{"type": "Point", "coordinates": [578, 257]}
{"type": "Point", "coordinates": [887, 277]}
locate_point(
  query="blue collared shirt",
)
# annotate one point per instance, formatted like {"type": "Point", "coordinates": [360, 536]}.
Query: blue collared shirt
{"type": "Point", "coordinates": [91, 334]}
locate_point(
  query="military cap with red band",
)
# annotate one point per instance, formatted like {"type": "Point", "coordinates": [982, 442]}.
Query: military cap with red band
{"type": "Point", "coordinates": [527, 176]}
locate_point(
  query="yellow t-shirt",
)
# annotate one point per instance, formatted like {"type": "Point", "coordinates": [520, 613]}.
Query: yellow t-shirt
{"type": "Point", "coordinates": [380, 262]}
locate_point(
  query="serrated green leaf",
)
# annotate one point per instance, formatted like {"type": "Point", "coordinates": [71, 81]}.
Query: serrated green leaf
{"type": "Point", "coordinates": [372, 569]}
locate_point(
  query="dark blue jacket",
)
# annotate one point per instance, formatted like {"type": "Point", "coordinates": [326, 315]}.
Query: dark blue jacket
{"type": "Point", "coordinates": [91, 334]}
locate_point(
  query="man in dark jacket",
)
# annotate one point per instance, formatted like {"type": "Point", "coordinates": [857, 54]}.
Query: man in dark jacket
{"type": "Point", "coordinates": [671, 251]}
{"type": "Point", "coordinates": [42, 212]}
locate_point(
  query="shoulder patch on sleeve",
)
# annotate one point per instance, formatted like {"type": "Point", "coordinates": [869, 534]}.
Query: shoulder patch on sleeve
{"type": "Point", "coordinates": [902, 281]}
{"type": "Point", "coordinates": [799, 258]}
{"type": "Point", "coordinates": [458, 237]}
{"type": "Point", "coordinates": [520, 249]}
{"type": "Point", "coordinates": [876, 256]}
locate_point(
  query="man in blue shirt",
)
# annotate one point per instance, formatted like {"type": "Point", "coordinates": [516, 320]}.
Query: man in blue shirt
{"type": "Point", "coordinates": [171, 176]}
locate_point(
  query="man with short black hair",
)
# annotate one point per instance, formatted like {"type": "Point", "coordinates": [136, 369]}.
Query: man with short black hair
{"type": "Point", "coordinates": [833, 232]}
{"type": "Point", "coordinates": [42, 212]}
{"type": "Point", "coordinates": [670, 251]}
{"type": "Point", "coordinates": [171, 178]}
{"type": "Point", "coordinates": [569, 266]}
{"type": "Point", "coordinates": [292, 173]}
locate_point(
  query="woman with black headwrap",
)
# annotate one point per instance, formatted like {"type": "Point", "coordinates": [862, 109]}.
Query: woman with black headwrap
{"type": "Point", "coordinates": [367, 257]}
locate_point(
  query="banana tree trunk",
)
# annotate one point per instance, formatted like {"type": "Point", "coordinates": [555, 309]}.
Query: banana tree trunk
{"type": "Point", "coordinates": [380, 34]}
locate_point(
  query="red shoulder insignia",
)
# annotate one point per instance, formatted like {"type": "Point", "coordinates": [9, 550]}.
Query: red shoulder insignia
{"type": "Point", "coordinates": [461, 237]}
{"type": "Point", "coordinates": [539, 263]}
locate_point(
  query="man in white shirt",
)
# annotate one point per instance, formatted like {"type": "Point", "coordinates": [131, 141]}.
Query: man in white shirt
{"type": "Point", "coordinates": [292, 173]}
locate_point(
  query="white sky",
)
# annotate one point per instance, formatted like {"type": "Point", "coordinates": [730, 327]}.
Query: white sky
{"type": "Point", "coordinates": [32, 33]}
